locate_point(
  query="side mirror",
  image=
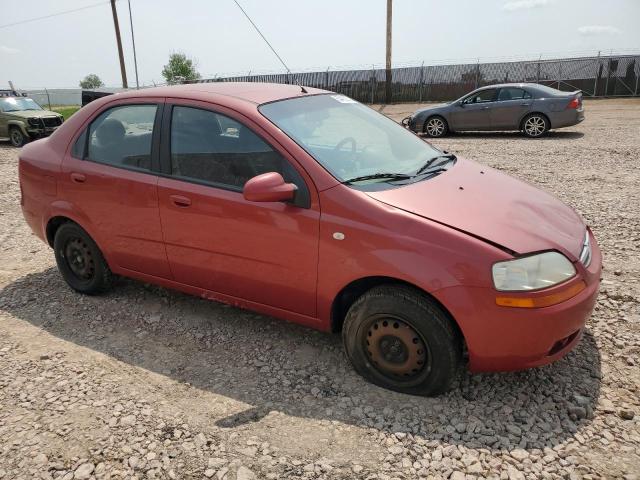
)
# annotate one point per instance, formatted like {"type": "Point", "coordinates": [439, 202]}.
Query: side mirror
{"type": "Point", "coordinates": [461, 104]}
{"type": "Point", "coordinates": [268, 187]}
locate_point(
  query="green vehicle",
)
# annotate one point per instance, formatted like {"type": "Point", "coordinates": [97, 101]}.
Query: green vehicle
{"type": "Point", "coordinates": [22, 120]}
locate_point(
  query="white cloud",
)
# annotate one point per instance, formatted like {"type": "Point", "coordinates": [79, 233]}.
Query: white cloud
{"type": "Point", "coordinates": [598, 30]}
{"type": "Point", "coordinates": [8, 50]}
{"type": "Point", "coordinates": [524, 4]}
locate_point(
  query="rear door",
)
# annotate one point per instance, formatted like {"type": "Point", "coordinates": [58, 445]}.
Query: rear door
{"type": "Point", "coordinates": [473, 112]}
{"type": "Point", "coordinates": [511, 105]}
{"type": "Point", "coordinates": [263, 252]}
{"type": "Point", "coordinates": [110, 177]}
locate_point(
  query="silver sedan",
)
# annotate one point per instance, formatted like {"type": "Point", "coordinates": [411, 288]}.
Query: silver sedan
{"type": "Point", "coordinates": [529, 107]}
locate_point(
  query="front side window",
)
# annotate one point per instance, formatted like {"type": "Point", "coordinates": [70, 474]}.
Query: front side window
{"type": "Point", "coordinates": [349, 139]}
{"type": "Point", "coordinates": [511, 93]}
{"type": "Point", "coordinates": [215, 149]}
{"type": "Point", "coordinates": [121, 136]}
{"type": "Point", "coordinates": [483, 96]}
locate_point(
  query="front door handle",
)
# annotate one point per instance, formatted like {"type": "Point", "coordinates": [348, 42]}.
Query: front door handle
{"type": "Point", "coordinates": [180, 201]}
{"type": "Point", "coordinates": [525, 104]}
{"type": "Point", "coordinates": [78, 177]}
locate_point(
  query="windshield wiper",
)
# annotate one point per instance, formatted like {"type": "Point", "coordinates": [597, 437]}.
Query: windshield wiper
{"type": "Point", "coordinates": [425, 167]}
{"type": "Point", "coordinates": [393, 176]}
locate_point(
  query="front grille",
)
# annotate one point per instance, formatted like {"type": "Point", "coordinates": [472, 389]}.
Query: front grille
{"type": "Point", "coordinates": [51, 121]}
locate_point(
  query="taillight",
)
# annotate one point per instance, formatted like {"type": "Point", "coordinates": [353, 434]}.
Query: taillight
{"type": "Point", "coordinates": [574, 103]}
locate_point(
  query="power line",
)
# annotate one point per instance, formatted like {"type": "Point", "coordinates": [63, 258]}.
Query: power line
{"type": "Point", "coordinates": [263, 37]}
{"type": "Point", "coordinates": [29, 20]}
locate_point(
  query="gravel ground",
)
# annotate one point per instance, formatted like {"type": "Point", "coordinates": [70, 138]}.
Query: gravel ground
{"type": "Point", "coordinates": [149, 383]}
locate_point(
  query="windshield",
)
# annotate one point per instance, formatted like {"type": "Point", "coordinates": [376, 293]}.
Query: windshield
{"type": "Point", "coordinates": [18, 104]}
{"type": "Point", "coordinates": [349, 139]}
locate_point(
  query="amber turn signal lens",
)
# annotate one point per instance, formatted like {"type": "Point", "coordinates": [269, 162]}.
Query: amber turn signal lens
{"type": "Point", "coordinates": [543, 301]}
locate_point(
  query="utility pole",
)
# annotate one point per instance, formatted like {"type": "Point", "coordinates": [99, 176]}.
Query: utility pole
{"type": "Point", "coordinates": [119, 41]}
{"type": "Point", "coordinates": [388, 66]}
{"type": "Point", "coordinates": [133, 41]}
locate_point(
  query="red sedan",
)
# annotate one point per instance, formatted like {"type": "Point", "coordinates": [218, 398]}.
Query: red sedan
{"type": "Point", "coordinates": [308, 206]}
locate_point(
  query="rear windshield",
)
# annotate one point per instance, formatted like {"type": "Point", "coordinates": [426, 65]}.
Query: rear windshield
{"type": "Point", "coordinates": [549, 91]}
{"type": "Point", "coordinates": [347, 138]}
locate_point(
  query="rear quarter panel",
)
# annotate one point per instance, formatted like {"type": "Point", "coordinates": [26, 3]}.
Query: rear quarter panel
{"type": "Point", "coordinates": [38, 171]}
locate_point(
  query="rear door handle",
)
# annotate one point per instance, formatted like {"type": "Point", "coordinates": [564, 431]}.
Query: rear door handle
{"type": "Point", "coordinates": [78, 177]}
{"type": "Point", "coordinates": [525, 104]}
{"type": "Point", "coordinates": [180, 201]}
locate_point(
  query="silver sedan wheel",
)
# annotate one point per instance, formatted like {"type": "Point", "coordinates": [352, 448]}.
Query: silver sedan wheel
{"type": "Point", "coordinates": [435, 127]}
{"type": "Point", "coordinates": [535, 126]}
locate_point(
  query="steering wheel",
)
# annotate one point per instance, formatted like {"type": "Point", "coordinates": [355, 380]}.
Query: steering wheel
{"type": "Point", "coordinates": [344, 141]}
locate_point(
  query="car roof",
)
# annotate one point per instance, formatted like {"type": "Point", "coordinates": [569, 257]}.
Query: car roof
{"type": "Point", "coordinates": [503, 85]}
{"type": "Point", "coordinates": [252, 92]}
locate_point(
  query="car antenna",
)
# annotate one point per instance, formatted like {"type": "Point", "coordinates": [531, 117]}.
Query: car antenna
{"type": "Point", "coordinates": [271, 47]}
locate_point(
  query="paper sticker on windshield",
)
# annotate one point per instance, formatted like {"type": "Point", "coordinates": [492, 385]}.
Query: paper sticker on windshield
{"type": "Point", "coordinates": [343, 99]}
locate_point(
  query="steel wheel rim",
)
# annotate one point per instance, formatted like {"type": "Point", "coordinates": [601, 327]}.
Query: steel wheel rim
{"type": "Point", "coordinates": [535, 126]}
{"type": "Point", "coordinates": [16, 137]}
{"type": "Point", "coordinates": [395, 348]}
{"type": "Point", "coordinates": [79, 259]}
{"type": "Point", "coordinates": [435, 127]}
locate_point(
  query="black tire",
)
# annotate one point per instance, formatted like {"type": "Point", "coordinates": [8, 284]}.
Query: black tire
{"type": "Point", "coordinates": [435, 127]}
{"type": "Point", "coordinates": [535, 125]}
{"type": "Point", "coordinates": [80, 261]}
{"type": "Point", "coordinates": [18, 139]}
{"type": "Point", "coordinates": [407, 312]}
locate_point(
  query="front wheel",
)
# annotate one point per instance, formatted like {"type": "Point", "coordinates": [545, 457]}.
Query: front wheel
{"type": "Point", "coordinates": [399, 339]}
{"type": "Point", "coordinates": [435, 127]}
{"type": "Point", "coordinates": [80, 261]}
{"type": "Point", "coordinates": [18, 138]}
{"type": "Point", "coordinates": [535, 125]}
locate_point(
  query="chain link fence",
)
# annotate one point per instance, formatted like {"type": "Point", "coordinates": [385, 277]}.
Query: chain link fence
{"type": "Point", "coordinates": [599, 76]}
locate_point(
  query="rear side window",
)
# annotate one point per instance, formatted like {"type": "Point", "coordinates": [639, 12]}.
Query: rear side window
{"type": "Point", "coordinates": [121, 136]}
{"type": "Point", "coordinates": [513, 94]}
{"type": "Point", "coordinates": [211, 148]}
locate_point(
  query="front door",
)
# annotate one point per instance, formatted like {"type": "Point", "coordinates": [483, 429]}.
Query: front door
{"type": "Point", "coordinates": [109, 177]}
{"type": "Point", "coordinates": [473, 113]}
{"type": "Point", "coordinates": [263, 252]}
{"type": "Point", "coordinates": [510, 107]}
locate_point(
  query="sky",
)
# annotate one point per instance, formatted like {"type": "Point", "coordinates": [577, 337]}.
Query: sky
{"type": "Point", "coordinates": [58, 51]}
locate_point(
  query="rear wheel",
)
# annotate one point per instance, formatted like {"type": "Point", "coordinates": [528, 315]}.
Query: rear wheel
{"type": "Point", "coordinates": [399, 339]}
{"type": "Point", "coordinates": [80, 261]}
{"type": "Point", "coordinates": [436, 126]}
{"type": "Point", "coordinates": [18, 138]}
{"type": "Point", "coordinates": [535, 125]}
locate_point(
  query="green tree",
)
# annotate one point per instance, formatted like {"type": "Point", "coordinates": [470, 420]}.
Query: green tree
{"type": "Point", "coordinates": [91, 81]}
{"type": "Point", "coordinates": [180, 68]}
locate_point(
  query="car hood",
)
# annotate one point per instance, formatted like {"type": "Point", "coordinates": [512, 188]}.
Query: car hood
{"type": "Point", "coordinates": [493, 206]}
{"type": "Point", "coordinates": [34, 114]}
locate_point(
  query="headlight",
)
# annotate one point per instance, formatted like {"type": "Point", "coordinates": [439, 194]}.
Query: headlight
{"type": "Point", "coordinates": [532, 273]}
{"type": "Point", "coordinates": [34, 122]}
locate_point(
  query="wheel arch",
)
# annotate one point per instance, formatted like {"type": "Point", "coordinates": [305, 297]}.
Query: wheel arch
{"type": "Point", "coordinates": [53, 224]}
{"type": "Point", "coordinates": [355, 289]}
{"type": "Point", "coordinates": [19, 124]}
